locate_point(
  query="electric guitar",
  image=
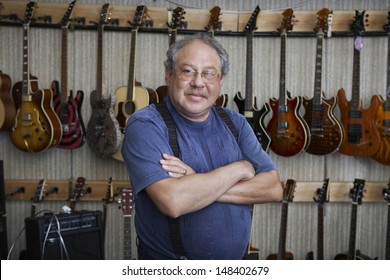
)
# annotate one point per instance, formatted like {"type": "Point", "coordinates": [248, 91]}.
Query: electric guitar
{"type": "Point", "coordinates": [103, 133]}
{"type": "Point", "coordinates": [386, 195]}
{"type": "Point", "coordinates": [325, 129]}
{"type": "Point", "coordinates": [133, 97]}
{"type": "Point", "coordinates": [383, 113]}
{"type": "Point", "coordinates": [127, 207]}
{"type": "Point", "coordinates": [247, 105]}
{"type": "Point", "coordinates": [322, 197]}
{"type": "Point", "coordinates": [107, 200]}
{"type": "Point", "coordinates": [7, 105]}
{"type": "Point", "coordinates": [38, 196]}
{"type": "Point", "coordinates": [361, 134]}
{"type": "Point", "coordinates": [288, 196]}
{"type": "Point", "coordinates": [288, 131]}
{"type": "Point", "coordinates": [177, 22]}
{"type": "Point", "coordinates": [356, 194]}
{"type": "Point", "coordinates": [36, 127]}
{"type": "Point", "coordinates": [214, 25]}
{"type": "Point", "coordinates": [68, 108]}
{"type": "Point", "coordinates": [79, 190]}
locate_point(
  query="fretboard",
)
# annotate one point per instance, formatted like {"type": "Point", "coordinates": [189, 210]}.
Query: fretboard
{"type": "Point", "coordinates": [352, 233]}
{"type": "Point", "coordinates": [64, 65]}
{"type": "Point", "coordinates": [26, 79]}
{"type": "Point", "coordinates": [320, 233]}
{"type": "Point", "coordinates": [131, 80]}
{"type": "Point", "coordinates": [249, 72]}
{"type": "Point", "coordinates": [283, 230]}
{"type": "Point", "coordinates": [127, 248]}
{"type": "Point", "coordinates": [355, 101]}
{"type": "Point", "coordinates": [99, 72]}
{"type": "Point", "coordinates": [282, 103]}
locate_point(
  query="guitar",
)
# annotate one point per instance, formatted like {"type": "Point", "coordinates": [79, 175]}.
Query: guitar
{"type": "Point", "coordinates": [176, 23]}
{"type": "Point", "coordinates": [7, 106]}
{"type": "Point", "coordinates": [79, 190]}
{"type": "Point", "coordinates": [213, 25]}
{"type": "Point", "coordinates": [38, 195]}
{"type": "Point", "coordinates": [386, 195]}
{"type": "Point", "coordinates": [362, 136]}
{"type": "Point", "coordinates": [322, 197]}
{"type": "Point", "coordinates": [107, 200]}
{"type": "Point", "coordinates": [247, 106]}
{"type": "Point", "coordinates": [288, 195]}
{"type": "Point", "coordinates": [133, 97]}
{"type": "Point", "coordinates": [36, 127]}
{"type": "Point", "coordinates": [382, 119]}
{"type": "Point", "coordinates": [288, 131]}
{"type": "Point", "coordinates": [68, 108]}
{"type": "Point", "coordinates": [127, 207]}
{"type": "Point", "coordinates": [356, 194]}
{"type": "Point", "coordinates": [103, 133]}
{"type": "Point", "coordinates": [325, 129]}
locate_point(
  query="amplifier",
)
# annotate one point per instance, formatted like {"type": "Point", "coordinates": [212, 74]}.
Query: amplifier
{"type": "Point", "coordinates": [3, 238]}
{"type": "Point", "coordinates": [74, 236]}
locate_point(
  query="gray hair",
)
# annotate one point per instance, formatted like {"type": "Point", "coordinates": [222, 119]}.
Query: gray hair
{"type": "Point", "coordinates": [205, 38]}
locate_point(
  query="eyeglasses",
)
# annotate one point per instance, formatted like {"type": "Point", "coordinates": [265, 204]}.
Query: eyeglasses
{"type": "Point", "coordinates": [208, 76]}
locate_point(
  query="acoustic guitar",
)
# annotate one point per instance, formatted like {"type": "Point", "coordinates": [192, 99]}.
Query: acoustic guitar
{"type": "Point", "coordinates": [326, 134]}
{"type": "Point", "coordinates": [103, 132]}
{"type": "Point", "coordinates": [356, 194]}
{"type": "Point", "coordinates": [7, 105]}
{"type": "Point", "coordinates": [67, 107]}
{"type": "Point", "coordinates": [127, 207]}
{"type": "Point", "coordinates": [322, 197]}
{"type": "Point", "coordinates": [177, 22]}
{"type": "Point", "coordinates": [288, 131]}
{"type": "Point", "coordinates": [247, 105]}
{"type": "Point", "coordinates": [288, 196]}
{"type": "Point", "coordinates": [37, 126]}
{"type": "Point", "coordinates": [361, 134]}
{"type": "Point", "coordinates": [213, 25]}
{"type": "Point", "coordinates": [386, 195]}
{"type": "Point", "coordinates": [382, 118]}
{"type": "Point", "coordinates": [133, 97]}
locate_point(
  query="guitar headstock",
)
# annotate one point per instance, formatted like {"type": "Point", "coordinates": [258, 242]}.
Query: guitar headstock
{"type": "Point", "coordinates": [358, 24]}
{"type": "Point", "coordinates": [251, 25]}
{"type": "Point", "coordinates": [214, 21]}
{"type": "Point", "coordinates": [288, 190]}
{"type": "Point", "coordinates": [127, 201]}
{"type": "Point", "coordinates": [323, 193]}
{"type": "Point", "coordinates": [288, 21]}
{"type": "Point", "coordinates": [322, 25]}
{"type": "Point", "coordinates": [177, 18]}
{"type": "Point", "coordinates": [39, 192]}
{"type": "Point", "coordinates": [109, 191]}
{"type": "Point", "coordinates": [386, 193]}
{"type": "Point", "coordinates": [30, 9]}
{"type": "Point", "coordinates": [67, 17]}
{"type": "Point", "coordinates": [139, 17]}
{"type": "Point", "coordinates": [105, 14]}
{"type": "Point", "coordinates": [386, 26]}
{"type": "Point", "coordinates": [80, 189]}
{"type": "Point", "coordinates": [356, 193]}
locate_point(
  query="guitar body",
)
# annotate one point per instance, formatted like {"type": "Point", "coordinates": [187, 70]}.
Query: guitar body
{"type": "Point", "coordinates": [286, 129]}
{"type": "Point", "coordinates": [69, 113]}
{"type": "Point", "coordinates": [383, 125]}
{"type": "Point", "coordinates": [222, 100]}
{"type": "Point", "coordinates": [361, 134]}
{"type": "Point", "coordinates": [359, 256]}
{"type": "Point", "coordinates": [7, 106]}
{"type": "Point", "coordinates": [285, 256]}
{"type": "Point", "coordinates": [53, 117]}
{"type": "Point", "coordinates": [103, 132]}
{"type": "Point", "coordinates": [162, 92]}
{"type": "Point", "coordinates": [33, 130]}
{"type": "Point", "coordinates": [329, 137]}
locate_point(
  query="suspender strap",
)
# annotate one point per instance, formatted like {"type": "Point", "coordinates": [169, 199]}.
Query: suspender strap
{"type": "Point", "coordinates": [173, 223]}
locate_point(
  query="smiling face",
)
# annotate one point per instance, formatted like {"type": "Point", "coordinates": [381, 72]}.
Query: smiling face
{"type": "Point", "coordinates": [193, 97]}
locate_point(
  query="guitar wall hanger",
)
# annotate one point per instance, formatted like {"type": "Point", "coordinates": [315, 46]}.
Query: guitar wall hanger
{"type": "Point", "coordinates": [232, 23]}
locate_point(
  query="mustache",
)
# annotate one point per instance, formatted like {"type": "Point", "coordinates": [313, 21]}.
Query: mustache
{"type": "Point", "coordinates": [196, 92]}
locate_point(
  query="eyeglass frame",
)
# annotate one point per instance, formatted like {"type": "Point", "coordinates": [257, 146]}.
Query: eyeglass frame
{"type": "Point", "coordinates": [193, 74]}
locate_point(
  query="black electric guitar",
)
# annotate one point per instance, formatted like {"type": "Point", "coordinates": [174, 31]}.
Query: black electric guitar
{"type": "Point", "coordinates": [127, 207]}
{"type": "Point", "coordinates": [247, 105]}
{"type": "Point", "coordinates": [80, 189]}
{"type": "Point", "coordinates": [326, 134]}
{"type": "Point", "coordinates": [214, 25]}
{"type": "Point", "coordinates": [288, 196]}
{"type": "Point", "coordinates": [386, 195]}
{"type": "Point", "coordinates": [361, 134]}
{"type": "Point", "coordinates": [322, 197]}
{"type": "Point", "coordinates": [7, 105]}
{"type": "Point", "coordinates": [356, 194]}
{"type": "Point", "coordinates": [177, 22]}
{"type": "Point", "coordinates": [68, 108]}
{"type": "Point", "coordinates": [106, 201]}
{"type": "Point", "coordinates": [37, 126]}
{"type": "Point", "coordinates": [38, 196]}
{"type": "Point", "coordinates": [383, 113]}
{"type": "Point", "coordinates": [134, 96]}
{"type": "Point", "coordinates": [103, 133]}
{"type": "Point", "coordinates": [288, 131]}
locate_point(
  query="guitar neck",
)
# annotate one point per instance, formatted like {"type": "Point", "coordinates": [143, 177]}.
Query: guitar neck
{"type": "Point", "coordinates": [64, 65]}
{"type": "Point", "coordinates": [127, 248]}
{"type": "Point", "coordinates": [320, 233]}
{"type": "Point", "coordinates": [282, 103]}
{"type": "Point", "coordinates": [131, 80]}
{"type": "Point", "coordinates": [352, 233]}
{"type": "Point", "coordinates": [283, 231]}
{"type": "Point", "coordinates": [387, 254]}
{"type": "Point", "coordinates": [387, 104]}
{"type": "Point", "coordinates": [249, 72]}
{"type": "Point", "coordinates": [100, 67]}
{"type": "Point", "coordinates": [26, 78]}
{"type": "Point", "coordinates": [317, 98]}
{"type": "Point", "coordinates": [172, 36]}
{"type": "Point", "coordinates": [355, 101]}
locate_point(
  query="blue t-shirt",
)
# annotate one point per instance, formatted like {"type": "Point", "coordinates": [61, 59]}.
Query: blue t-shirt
{"type": "Point", "coordinates": [218, 231]}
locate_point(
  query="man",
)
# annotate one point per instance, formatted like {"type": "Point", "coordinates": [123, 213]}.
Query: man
{"type": "Point", "coordinates": [209, 189]}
